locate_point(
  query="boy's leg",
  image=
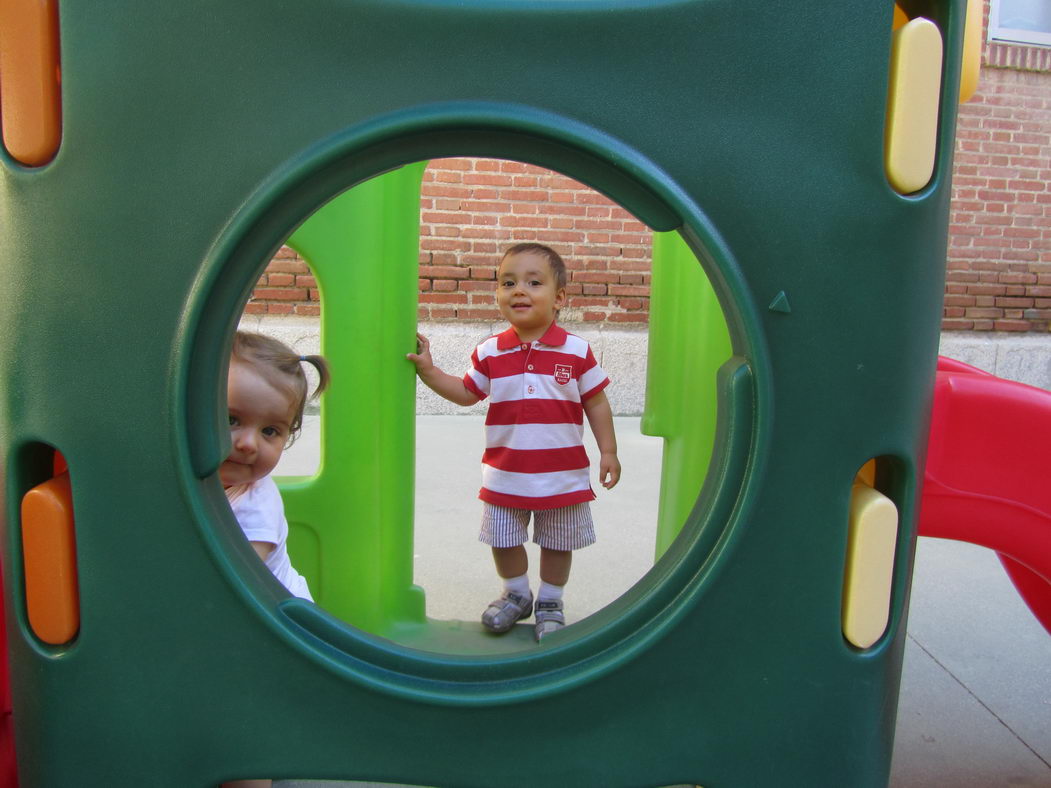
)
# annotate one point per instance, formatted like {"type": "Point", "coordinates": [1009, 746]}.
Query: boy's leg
{"type": "Point", "coordinates": [505, 531]}
{"type": "Point", "coordinates": [512, 561]}
{"type": "Point", "coordinates": [554, 574]}
{"type": "Point", "coordinates": [555, 566]}
{"type": "Point", "coordinates": [558, 532]}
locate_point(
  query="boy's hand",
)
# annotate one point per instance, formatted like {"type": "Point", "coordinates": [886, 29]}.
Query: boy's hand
{"type": "Point", "coordinates": [609, 470]}
{"type": "Point", "coordinates": [422, 357]}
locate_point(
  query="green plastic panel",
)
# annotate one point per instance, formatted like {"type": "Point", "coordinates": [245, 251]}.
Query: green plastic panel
{"type": "Point", "coordinates": [351, 524]}
{"type": "Point", "coordinates": [199, 136]}
{"type": "Point", "coordinates": [688, 342]}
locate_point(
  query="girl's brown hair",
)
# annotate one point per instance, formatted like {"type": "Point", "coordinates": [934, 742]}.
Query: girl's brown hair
{"type": "Point", "coordinates": [283, 368]}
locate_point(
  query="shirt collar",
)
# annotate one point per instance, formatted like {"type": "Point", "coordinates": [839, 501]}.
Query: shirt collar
{"type": "Point", "coordinates": [555, 336]}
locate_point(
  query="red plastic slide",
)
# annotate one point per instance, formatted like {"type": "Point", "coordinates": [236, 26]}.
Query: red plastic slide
{"type": "Point", "coordinates": [988, 478]}
{"type": "Point", "coordinates": [8, 769]}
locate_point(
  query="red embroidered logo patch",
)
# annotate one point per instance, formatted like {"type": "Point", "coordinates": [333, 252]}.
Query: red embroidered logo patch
{"type": "Point", "coordinates": [563, 373]}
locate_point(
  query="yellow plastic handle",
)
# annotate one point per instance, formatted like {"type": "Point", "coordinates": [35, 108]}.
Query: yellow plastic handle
{"type": "Point", "coordinates": [911, 137]}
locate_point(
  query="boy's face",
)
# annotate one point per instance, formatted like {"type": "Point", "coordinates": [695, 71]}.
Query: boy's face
{"type": "Point", "coordinates": [260, 418]}
{"type": "Point", "coordinates": [528, 294]}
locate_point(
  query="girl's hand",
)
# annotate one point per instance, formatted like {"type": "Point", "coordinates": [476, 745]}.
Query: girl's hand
{"type": "Point", "coordinates": [422, 357]}
{"type": "Point", "coordinates": [609, 470]}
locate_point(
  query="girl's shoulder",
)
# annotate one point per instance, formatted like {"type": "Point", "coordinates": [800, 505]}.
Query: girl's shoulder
{"type": "Point", "coordinates": [260, 494]}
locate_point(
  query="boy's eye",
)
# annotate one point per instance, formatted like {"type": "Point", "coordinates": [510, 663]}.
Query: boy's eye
{"type": "Point", "coordinates": [535, 283]}
{"type": "Point", "coordinates": [233, 421]}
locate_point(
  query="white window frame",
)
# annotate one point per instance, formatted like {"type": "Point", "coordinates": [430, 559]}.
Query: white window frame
{"type": "Point", "coordinates": [1014, 34]}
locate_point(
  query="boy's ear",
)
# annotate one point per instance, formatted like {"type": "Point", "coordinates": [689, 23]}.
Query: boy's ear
{"type": "Point", "coordinates": [560, 298]}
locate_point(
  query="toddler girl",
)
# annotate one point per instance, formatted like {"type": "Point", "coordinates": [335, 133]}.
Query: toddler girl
{"type": "Point", "coordinates": [266, 393]}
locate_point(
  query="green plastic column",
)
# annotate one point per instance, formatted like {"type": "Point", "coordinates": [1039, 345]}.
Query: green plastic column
{"type": "Point", "coordinates": [688, 343]}
{"type": "Point", "coordinates": [350, 526]}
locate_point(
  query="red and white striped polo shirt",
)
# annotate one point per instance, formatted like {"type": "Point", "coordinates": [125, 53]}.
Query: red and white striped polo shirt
{"type": "Point", "coordinates": [534, 430]}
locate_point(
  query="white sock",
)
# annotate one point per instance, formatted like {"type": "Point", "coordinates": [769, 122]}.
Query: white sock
{"type": "Point", "coordinates": [549, 592]}
{"type": "Point", "coordinates": [517, 585]}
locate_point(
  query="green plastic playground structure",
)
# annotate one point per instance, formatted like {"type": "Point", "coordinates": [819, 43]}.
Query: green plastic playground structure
{"type": "Point", "coordinates": [748, 136]}
{"type": "Point", "coordinates": [688, 343]}
{"type": "Point", "coordinates": [350, 525]}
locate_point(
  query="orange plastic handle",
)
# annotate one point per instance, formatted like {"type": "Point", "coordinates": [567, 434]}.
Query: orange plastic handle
{"type": "Point", "coordinates": [49, 553]}
{"type": "Point", "coordinates": [30, 80]}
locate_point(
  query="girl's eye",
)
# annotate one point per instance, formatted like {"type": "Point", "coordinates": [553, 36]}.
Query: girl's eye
{"type": "Point", "coordinates": [272, 432]}
{"type": "Point", "coordinates": [233, 421]}
{"type": "Point", "coordinates": [535, 283]}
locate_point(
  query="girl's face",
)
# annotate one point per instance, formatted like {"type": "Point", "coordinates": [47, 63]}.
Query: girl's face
{"type": "Point", "coordinates": [260, 419]}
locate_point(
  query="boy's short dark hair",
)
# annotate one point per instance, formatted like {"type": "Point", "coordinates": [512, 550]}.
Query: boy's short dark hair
{"type": "Point", "coordinates": [554, 259]}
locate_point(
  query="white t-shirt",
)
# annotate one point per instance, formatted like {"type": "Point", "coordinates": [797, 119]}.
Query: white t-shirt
{"type": "Point", "coordinates": [261, 514]}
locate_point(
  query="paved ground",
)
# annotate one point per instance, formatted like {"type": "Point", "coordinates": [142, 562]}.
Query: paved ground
{"type": "Point", "coordinates": [975, 707]}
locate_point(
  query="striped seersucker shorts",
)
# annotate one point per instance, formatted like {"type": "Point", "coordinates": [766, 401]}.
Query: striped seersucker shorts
{"type": "Point", "coordinates": [564, 528]}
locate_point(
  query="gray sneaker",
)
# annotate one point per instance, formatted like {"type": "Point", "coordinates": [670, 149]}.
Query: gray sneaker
{"type": "Point", "coordinates": [502, 613]}
{"type": "Point", "coordinates": [549, 617]}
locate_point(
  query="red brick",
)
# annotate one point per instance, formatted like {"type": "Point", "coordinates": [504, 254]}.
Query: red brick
{"type": "Point", "coordinates": [443, 298]}
{"type": "Point", "coordinates": [1011, 325]}
{"type": "Point", "coordinates": [628, 290]}
{"type": "Point", "coordinates": [986, 289]}
{"type": "Point", "coordinates": [444, 271]}
{"type": "Point", "coordinates": [287, 266]}
{"type": "Point", "coordinates": [475, 285]}
{"type": "Point", "coordinates": [281, 294]}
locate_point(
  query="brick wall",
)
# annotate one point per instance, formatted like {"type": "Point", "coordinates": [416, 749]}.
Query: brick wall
{"type": "Point", "coordinates": [999, 258]}
{"type": "Point", "coordinates": [999, 262]}
{"type": "Point", "coordinates": [287, 287]}
{"type": "Point", "coordinates": [472, 209]}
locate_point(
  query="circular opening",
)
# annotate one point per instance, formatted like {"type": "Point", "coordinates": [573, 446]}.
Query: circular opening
{"type": "Point", "coordinates": [616, 630]}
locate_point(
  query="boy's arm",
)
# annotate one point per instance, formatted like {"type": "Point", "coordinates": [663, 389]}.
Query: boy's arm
{"type": "Point", "coordinates": [600, 417]}
{"type": "Point", "coordinates": [441, 383]}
